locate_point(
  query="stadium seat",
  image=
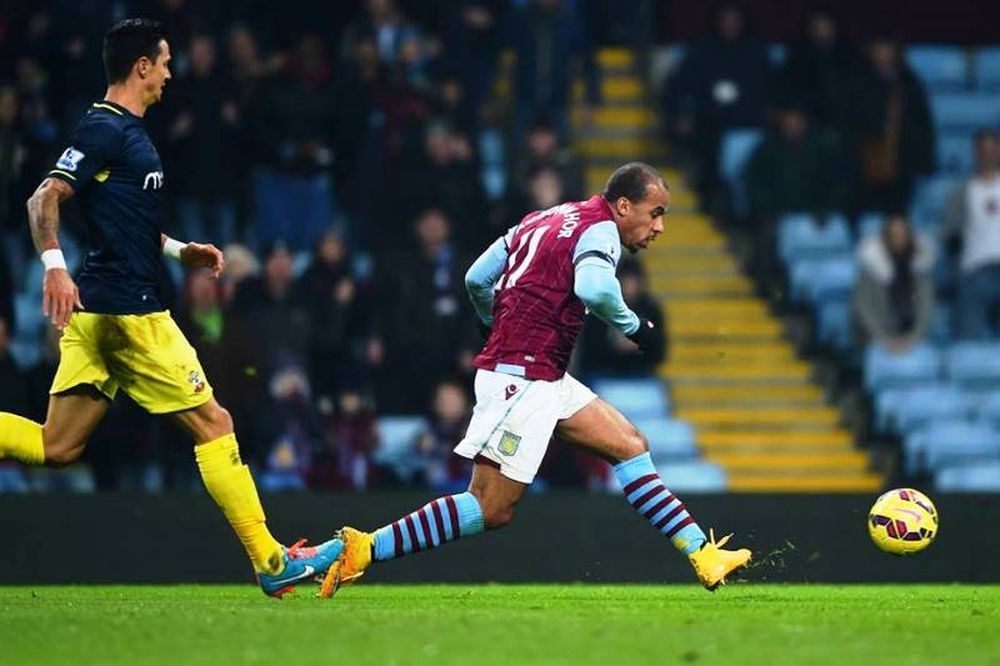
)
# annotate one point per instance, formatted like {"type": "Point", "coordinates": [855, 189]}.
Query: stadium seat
{"type": "Point", "coordinates": [833, 279]}
{"type": "Point", "coordinates": [884, 369]}
{"type": "Point", "coordinates": [801, 236]}
{"type": "Point", "coordinates": [974, 365]}
{"type": "Point", "coordinates": [834, 324]}
{"type": "Point", "coordinates": [930, 199]}
{"type": "Point", "coordinates": [636, 398]}
{"type": "Point", "coordinates": [693, 477]}
{"type": "Point", "coordinates": [397, 441]}
{"type": "Point", "coordinates": [977, 478]}
{"type": "Point", "coordinates": [965, 111]}
{"type": "Point", "coordinates": [921, 406]}
{"type": "Point", "coordinates": [870, 224]}
{"type": "Point", "coordinates": [989, 408]}
{"type": "Point", "coordinates": [941, 68]}
{"type": "Point", "coordinates": [986, 69]}
{"type": "Point", "coordinates": [947, 443]}
{"type": "Point", "coordinates": [955, 153]}
{"type": "Point", "coordinates": [734, 152]}
{"type": "Point", "coordinates": [669, 439]}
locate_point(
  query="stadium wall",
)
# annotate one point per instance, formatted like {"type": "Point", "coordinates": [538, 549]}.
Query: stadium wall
{"type": "Point", "coordinates": [556, 537]}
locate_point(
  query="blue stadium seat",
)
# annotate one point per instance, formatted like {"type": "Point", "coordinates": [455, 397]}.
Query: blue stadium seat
{"type": "Point", "coordinates": [955, 153]}
{"type": "Point", "coordinates": [974, 365]}
{"type": "Point", "coordinates": [734, 152]}
{"type": "Point", "coordinates": [941, 68]}
{"type": "Point", "coordinates": [930, 199]}
{"type": "Point", "coordinates": [397, 442]}
{"type": "Point", "coordinates": [669, 439]}
{"type": "Point", "coordinates": [948, 443]}
{"type": "Point", "coordinates": [801, 236]}
{"type": "Point", "coordinates": [986, 69]}
{"type": "Point", "coordinates": [965, 111]}
{"type": "Point", "coordinates": [923, 405]}
{"type": "Point", "coordinates": [636, 398]}
{"type": "Point", "coordinates": [693, 477]}
{"type": "Point", "coordinates": [870, 224]}
{"type": "Point", "coordinates": [989, 408]}
{"type": "Point", "coordinates": [833, 279]}
{"type": "Point", "coordinates": [884, 369]}
{"type": "Point", "coordinates": [940, 330]}
{"type": "Point", "coordinates": [834, 324]}
{"type": "Point", "coordinates": [977, 478]}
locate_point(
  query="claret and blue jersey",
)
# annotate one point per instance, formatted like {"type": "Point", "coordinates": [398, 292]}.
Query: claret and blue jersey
{"type": "Point", "coordinates": [117, 176]}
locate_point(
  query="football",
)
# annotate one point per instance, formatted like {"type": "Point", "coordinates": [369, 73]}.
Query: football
{"type": "Point", "coordinates": [903, 521]}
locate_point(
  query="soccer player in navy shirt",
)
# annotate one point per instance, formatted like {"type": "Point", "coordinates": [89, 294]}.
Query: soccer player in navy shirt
{"type": "Point", "coordinates": [532, 288]}
{"type": "Point", "coordinates": [117, 332]}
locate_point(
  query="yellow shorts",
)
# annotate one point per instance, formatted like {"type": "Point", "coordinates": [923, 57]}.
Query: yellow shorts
{"type": "Point", "coordinates": [147, 356]}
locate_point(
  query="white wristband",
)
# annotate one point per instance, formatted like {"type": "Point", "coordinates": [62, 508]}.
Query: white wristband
{"type": "Point", "coordinates": [172, 248]}
{"type": "Point", "coordinates": [53, 259]}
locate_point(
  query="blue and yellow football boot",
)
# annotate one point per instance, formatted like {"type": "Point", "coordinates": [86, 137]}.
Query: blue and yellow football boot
{"type": "Point", "coordinates": [302, 563]}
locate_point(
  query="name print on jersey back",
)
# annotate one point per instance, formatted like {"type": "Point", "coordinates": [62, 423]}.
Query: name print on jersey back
{"type": "Point", "coordinates": [536, 314]}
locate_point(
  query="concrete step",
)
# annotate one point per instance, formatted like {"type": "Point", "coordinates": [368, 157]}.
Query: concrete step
{"type": "Point", "coordinates": [868, 482]}
{"type": "Point", "coordinates": [709, 438]}
{"type": "Point", "coordinates": [688, 262]}
{"type": "Point", "coordinates": [639, 116]}
{"type": "Point", "coordinates": [707, 330]}
{"type": "Point", "coordinates": [783, 371]}
{"type": "Point", "coordinates": [707, 353]}
{"type": "Point", "coordinates": [777, 417]}
{"type": "Point", "coordinates": [842, 461]}
{"type": "Point", "coordinates": [744, 392]}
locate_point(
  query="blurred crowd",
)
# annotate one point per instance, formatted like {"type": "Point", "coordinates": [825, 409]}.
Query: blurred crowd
{"type": "Point", "coordinates": [841, 129]}
{"type": "Point", "coordinates": [352, 165]}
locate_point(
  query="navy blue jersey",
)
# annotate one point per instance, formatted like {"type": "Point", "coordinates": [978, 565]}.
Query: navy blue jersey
{"type": "Point", "coordinates": [117, 175]}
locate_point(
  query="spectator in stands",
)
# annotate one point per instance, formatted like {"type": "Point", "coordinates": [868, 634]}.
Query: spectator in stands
{"type": "Point", "coordinates": [350, 439]}
{"type": "Point", "coordinates": [448, 418]}
{"type": "Point", "coordinates": [388, 24]}
{"type": "Point", "coordinates": [246, 68]}
{"type": "Point", "coordinates": [425, 317]}
{"type": "Point", "coordinates": [293, 128]}
{"type": "Point", "coordinates": [272, 315]}
{"type": "Point", "coordinates": [974, 220]}
{"type": "Point", "coordinates": [205, 160]}
{"type": "Point", "coordinates": [6, 292]}
{"type": "Point", "coordinates": [226, 350]}
{"type": "Point", "coordinates": [606, 351]}
{"type": "Point", "coordinates": [542, 149]}
{"type": "Point", "coordinates": [446, 176]}
{"type": "Point", "coordinates": [721, 84]}
{"type": "Point", "coordinates": [818, 68]}
{"type": "Point", "coordinates": [797, 167]}
{"type": "Point", "coordinates": [336, 313]}
{"type": "Point", "coordinates": [290, 428]}
{"type": "Point", "coordinates": [889, 124]}
{"type": "Point", "coordinates": [12, 389]}
{"type": "Point", "coordinates": [893, 297]}
{"type": "Point", "coordinates": [549, 43]}
{"type": "Point", "coordinates": [472, 38]}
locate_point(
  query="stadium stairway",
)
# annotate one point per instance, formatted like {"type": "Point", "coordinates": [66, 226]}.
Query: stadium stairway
{"type": "Point", "coordinates": [733, 376]}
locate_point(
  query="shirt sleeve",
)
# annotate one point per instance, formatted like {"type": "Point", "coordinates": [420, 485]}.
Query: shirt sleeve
{"type": "Point", "coordinates": [94, 146]}
{"type": "Point", "coordinates": [595, 284]}
{"type": "Point", "coordinates": [599, 244]}
{"type": "Point", "coordinates": [483, 275]}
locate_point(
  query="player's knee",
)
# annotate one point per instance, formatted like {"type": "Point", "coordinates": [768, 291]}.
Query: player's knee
{"type": "Point", "coordinates": [217, 422]}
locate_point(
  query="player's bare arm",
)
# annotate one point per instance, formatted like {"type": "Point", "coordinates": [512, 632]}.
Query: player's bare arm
{"type": "Point", "coordinates": [195, 255]}
{"type": "Point", "coordinates": [59, 293]}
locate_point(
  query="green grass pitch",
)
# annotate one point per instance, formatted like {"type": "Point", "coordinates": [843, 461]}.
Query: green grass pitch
{"type": "Point", "coordinates": [498, 624]}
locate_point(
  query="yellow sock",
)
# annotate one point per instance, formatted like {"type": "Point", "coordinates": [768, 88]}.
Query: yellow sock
{"type": "Point", "coordinates": [229, 483]}
{"type": "Point", "coordinates": [21, 439]}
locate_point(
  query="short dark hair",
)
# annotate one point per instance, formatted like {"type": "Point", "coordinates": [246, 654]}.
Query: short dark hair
{"type": "Point", "coordinates": [631, 181]}
{"type": "Point", "coordinates": [127, 41]}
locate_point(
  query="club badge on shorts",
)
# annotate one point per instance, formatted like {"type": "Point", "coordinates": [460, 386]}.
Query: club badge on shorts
{"type": "Point", "coordinates": [509, 443]}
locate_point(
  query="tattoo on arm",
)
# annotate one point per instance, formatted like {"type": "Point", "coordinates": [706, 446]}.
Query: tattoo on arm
{"type": "Point", "coordinates": [43, 213]}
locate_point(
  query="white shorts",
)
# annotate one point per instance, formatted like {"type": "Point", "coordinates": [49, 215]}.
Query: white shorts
{"type": "Point", "coordinates": [514, 417]}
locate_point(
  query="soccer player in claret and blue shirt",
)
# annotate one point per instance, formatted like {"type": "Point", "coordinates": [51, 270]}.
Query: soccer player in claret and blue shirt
{"type": "Point", "coordinates": [532, 288]}
{"type": "Point", "coordinates": [116, 330]}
